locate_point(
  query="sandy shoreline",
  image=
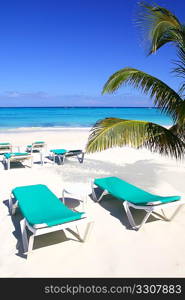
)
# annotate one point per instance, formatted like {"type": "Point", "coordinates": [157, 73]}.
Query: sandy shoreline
{"type": "Point", "coordinates": [112, 249]}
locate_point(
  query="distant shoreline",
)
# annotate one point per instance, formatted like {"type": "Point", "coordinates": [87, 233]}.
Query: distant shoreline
{"type": "Point", "coordinates": [50, 129]}
{"type": "Point", "coordinates": [36, 129]}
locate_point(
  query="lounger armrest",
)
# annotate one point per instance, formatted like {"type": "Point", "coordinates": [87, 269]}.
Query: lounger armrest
{"type": "Point", "coordinates": [42, 225]}
{"type": "Point", "coordinates": [154, 203]}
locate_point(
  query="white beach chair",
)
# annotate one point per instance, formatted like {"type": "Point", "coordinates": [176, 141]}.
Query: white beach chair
{"type": "Point", "coordinates": [16, 157]}
{"type": "Point", "coordinates": [135, 197]}
{"type": "Point", "coordinates": [62, 154]}
{"type": "Point", "coordinates": [43, 212]}
{"type": "Point", "coordinates": [38, 146]}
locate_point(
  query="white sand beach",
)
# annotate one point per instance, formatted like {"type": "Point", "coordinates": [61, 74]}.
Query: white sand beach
{"type": "Point", "coordinates": [113, 248]}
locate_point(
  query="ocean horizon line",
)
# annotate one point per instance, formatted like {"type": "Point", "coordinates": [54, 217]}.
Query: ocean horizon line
{"type": "Point", "coordinates": [79, 107]}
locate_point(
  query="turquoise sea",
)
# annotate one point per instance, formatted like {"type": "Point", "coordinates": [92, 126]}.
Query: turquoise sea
{"type": "Point", "coordinates": [74, 116]}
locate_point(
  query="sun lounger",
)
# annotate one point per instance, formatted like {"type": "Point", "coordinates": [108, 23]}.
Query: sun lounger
{"type": "Point", "coordinates": [61, 154]}
{"type": "Point", "coordinates": [38, 146]}
{"type": "Point", "coordinates": [43, 212]}
{"type": "Point", "coordinates": [5, 148]}
{"type": "Point", "coordinates": [16, 157]}
{"type": "Point", "coordinates": [135, 197]}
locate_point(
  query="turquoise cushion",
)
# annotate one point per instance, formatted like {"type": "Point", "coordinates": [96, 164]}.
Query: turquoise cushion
{"type": "Point", "coordinates": [126, 191]}
{"type": "Point", "coordinates": [9, 155]}
{"type": "Point", "coordinates": [5, 144]}
{"type": "Point", "coordinates": [59, 151]}
{"type": "Point", "coordinates": [39, 205]}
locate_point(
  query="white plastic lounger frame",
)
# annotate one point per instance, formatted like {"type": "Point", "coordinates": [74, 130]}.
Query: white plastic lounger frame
{"type": "Point", "coordinates": [39, 147]}
{"type": "Point", "coordinates": [7, 161]}
{"type": "Point", "coordinates": [105, 192]}
{"type": "Point", "coordinates": [36, 146]}
{"type": "Point", "coordinates": [79, 194]}
{"type": "Point", "coordinates": [61, 158]}
{"type": "Point", "coordinates": [40, 229]}
{"type": "Point", "coordinates": [151, 208]}
{"type": "Point", "coordinates": [79, 155]}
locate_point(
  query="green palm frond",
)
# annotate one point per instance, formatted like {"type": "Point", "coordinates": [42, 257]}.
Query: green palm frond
{"type": "Point", "coordinates": [180, 68]}
{"type": "Point", "coordinates": [159, 24]}
{"type": "Point", "coordinates": [112, 132]}
{"type": "Point", "coordinates": [179, 131]}
{"type": "Point", "coordinates": [181, 115]}
{"type": "Point", "coordinates": [164, 97]}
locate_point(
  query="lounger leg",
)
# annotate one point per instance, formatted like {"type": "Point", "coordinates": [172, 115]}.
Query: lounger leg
{"type": "Point", "coordinates": [41, 158]}
{"type": "Point", "coordinates": [94, 194]}
{"type": "Point", "coordinates": [4, 162]}
{"type": "Point", "coordinates": [173, 215]}
{"type": "Point", "coordinates": [93, 191]}
{"type": "Point", "coordinates": [31, 164]}
{"type": "Point", "coordinates": [59, 158]}
{"type": "Point", "coordinates": [145, 219]}
{"type": "Point", "coordinates": [95, 197]}
{"type": "Point", "coordinates": [12, 207]}
{"type": "Point", "coordinates": [8, 164]}
{"type": "Point", "coordinates": [103, 194]}
{"type": "Point", "coordinates": [88, 230]}
{"type": "Point", "coordinates": [31, 242]}
{"type": "Point", "coordinates": [78, 233]}
{"type": "Point", "coordinates": [63, 158]}
{"type": "Point", "coordinates": [129, 215]}
{"type": "Point", "coordinates": [24, 235]}
{"type": "Point", "coordinates": [80, 159]}
{"type": "Point", "coordinates": [63, 195]}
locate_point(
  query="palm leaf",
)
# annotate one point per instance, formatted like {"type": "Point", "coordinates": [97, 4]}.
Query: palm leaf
{"type": "Point", "coordinates": [112, 132]}
{"type": "Point", "coordinates": [180, 68]}
{"type": "Point", "coordinates": [159, 25]}
{"type": "Point", "coordinates": [164, 97]}
{"type": "Point", "coordinates": [179, 131]}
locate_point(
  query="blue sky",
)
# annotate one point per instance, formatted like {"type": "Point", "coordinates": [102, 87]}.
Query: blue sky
{"type": "Point", "coordinates": [60, 53]}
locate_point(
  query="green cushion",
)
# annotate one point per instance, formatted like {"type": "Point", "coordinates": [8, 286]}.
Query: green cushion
{"type": "Point", "coordinates": [9, 155]}
{"type": "Point", "coordinates": [59, 151]}
{"type": "Point", "coordinates": [39, 205]}
{"type": "Point", "coordinates": [5, 144]}
{"type": "Point", "coordinates": [126, 191]}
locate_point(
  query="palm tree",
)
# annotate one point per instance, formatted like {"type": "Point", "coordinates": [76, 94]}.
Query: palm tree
{"type": "Point", "coordinates": [162, 27]}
